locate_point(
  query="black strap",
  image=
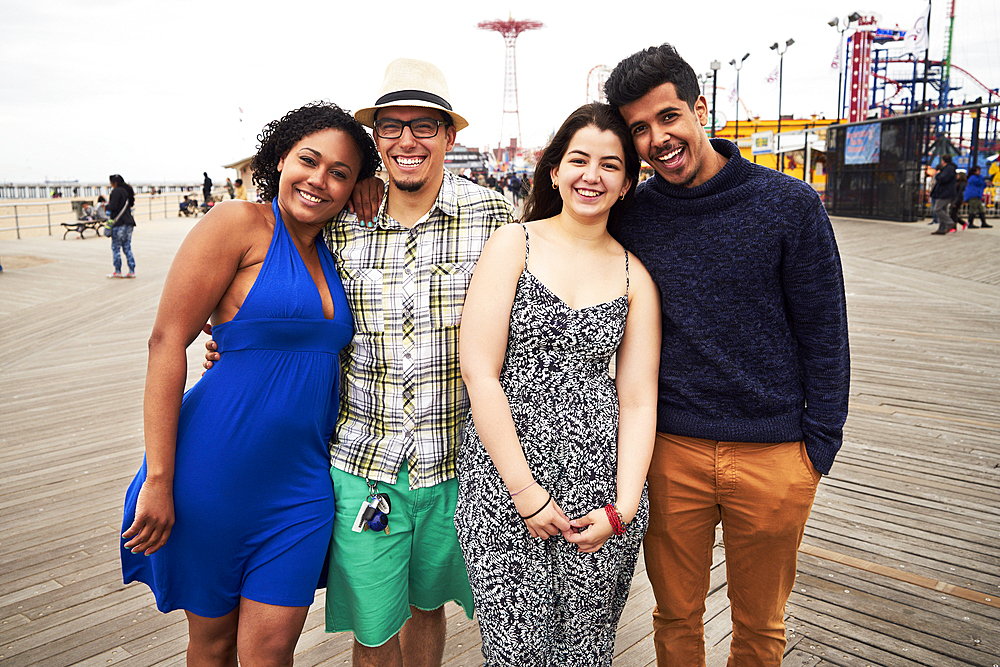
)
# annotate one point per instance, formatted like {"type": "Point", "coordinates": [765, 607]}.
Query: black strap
{"type": "Point", "coordinates": [413, 95]}
{"type": "Point", "coordinates": [527, 246]}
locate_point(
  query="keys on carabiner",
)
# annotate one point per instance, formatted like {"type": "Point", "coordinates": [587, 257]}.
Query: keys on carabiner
{"type": "Point", "coordinates": [368, 508]}
{"type": "Point", "coordinates": [379, 521]}
{"type": "Point", "coordinates": [374, 511]}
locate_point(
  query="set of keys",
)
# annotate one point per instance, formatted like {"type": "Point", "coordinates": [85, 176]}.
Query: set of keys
{"type": "Point", "coordinates": [374, 512]}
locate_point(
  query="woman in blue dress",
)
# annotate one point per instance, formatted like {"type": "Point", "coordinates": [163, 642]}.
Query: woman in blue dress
{"type": "Point", "coordinates": [230, 516]}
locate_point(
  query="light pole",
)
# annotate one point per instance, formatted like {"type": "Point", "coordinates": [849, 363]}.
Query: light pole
{"type": "Point", "coordinates": [738, 65]}
{"type": "Point", "coordinates": [715, 78]}
{"type": "Point", "coordinates": [781, 74]}
{"type": "Point", "coordinates": [835, 23]}
{"type": "Point", "coordinates": [756, 127]}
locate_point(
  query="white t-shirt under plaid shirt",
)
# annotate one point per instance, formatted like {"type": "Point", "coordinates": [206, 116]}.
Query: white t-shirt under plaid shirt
{"type": "Point", "coordinates": [401, 391]}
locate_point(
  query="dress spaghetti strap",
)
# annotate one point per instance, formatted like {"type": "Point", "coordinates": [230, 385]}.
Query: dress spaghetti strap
{"type": "Point", "coordinates": [626, 272]}
{"type": "Point", "coordinates": [527, 248]}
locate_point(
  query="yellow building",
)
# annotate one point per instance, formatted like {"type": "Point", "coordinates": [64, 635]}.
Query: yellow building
{"type": "Point", "coordinates": [792, 145]}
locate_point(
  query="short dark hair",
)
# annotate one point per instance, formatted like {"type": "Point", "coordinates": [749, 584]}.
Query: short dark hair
{"type": "Point", "coordinates": [278, 137]}
{"type": "Point", "coordinates": [644, 70]}
{"type": "Point", "coordinates": [946, 158]}
{"type": "Point", "coordinates": [544, 201]}
{"type": "Point", "coordinates": [974, 170]}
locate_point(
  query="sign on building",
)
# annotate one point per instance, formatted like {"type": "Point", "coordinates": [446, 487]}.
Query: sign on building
{"type": "Point", "coordinates": [762, 143]}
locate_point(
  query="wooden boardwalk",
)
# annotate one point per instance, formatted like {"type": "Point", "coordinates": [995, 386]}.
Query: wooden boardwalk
{"type": "Point", "coordinates": [901, 559]}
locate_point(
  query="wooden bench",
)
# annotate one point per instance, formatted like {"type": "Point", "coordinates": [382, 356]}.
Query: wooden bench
{"type": "Point", "coordinates": [80, 226]}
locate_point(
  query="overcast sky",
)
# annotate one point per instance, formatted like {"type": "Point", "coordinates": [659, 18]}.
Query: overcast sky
{"type": "Point", "coordinates": [153, 90]}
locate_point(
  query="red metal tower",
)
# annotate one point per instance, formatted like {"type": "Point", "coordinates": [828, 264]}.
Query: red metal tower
{"type": "Point", "coordinates": [510, 124]}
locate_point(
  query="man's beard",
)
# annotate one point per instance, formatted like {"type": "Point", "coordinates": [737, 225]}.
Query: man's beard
{"type": "Point", "coordinates": [409, 186]}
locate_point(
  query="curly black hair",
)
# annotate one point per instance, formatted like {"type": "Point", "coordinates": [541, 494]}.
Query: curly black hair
{"type": "Point", "coordinates": [278, 137]}
{"type": "Point", "coordinates": [644, 70]}
{"type": "Point", "coordinates": [544, 201]}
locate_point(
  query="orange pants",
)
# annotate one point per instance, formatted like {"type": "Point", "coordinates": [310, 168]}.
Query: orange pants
{"type": "Point", "coordinates": [762, 493]}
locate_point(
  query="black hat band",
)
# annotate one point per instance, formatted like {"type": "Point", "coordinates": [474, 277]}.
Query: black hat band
{"type": "Point", "coordinates": [421, 95]}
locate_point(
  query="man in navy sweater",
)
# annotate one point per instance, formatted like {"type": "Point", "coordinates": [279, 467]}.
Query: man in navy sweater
{"type": "Point", "coordinates": [754, 370]}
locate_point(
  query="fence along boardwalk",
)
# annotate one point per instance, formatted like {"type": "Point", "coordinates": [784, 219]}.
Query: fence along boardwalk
{"type": "Point", "coordinates": [913, 499]}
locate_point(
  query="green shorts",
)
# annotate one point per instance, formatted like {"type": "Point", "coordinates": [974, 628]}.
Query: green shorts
{"type": "Point", "coordinates": [374, 577]}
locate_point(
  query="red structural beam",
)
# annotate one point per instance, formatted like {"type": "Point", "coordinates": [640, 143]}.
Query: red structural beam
{"type": "Point", "coordinates": [510, 27]}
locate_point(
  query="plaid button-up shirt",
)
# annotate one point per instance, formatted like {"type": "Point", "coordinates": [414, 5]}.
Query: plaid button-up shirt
{"type": "Point", "coordinates": [401, 391]}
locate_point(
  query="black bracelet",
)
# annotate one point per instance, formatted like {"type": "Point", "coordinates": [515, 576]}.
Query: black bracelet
{"type": "Point", "coordinates": [539, 509]}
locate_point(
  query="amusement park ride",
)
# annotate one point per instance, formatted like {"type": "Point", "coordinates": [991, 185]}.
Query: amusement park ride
{"type": "Point", "coordinates": [884, 79]}
{"type": "Point", "coordinates": [888, 77]}
{"type": "Point", "coordinates": [903, 110]}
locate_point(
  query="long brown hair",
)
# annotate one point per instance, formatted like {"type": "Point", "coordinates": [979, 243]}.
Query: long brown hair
{"type": "Point", "coordinates": [544, 201]}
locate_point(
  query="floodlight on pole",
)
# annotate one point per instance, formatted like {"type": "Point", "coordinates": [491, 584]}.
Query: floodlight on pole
{"type": "Point", "coordinates": [715, 78]}
{"type": "Point", "coordinates": [781, 72]}
{"type": "Point", "coordinates": [835, 23]}
{"type": "Point", "coordinates": [738, 65]}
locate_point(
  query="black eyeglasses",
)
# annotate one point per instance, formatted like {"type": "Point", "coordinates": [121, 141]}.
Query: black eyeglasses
{"type": "Point", "coordinates": [422, 128]}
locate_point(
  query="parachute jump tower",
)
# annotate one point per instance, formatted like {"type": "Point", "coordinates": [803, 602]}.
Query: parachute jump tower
{"type": "Point", "coordinates": [510, 125]}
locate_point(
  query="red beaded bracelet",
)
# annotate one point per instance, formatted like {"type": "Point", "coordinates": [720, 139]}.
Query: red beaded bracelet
{"type": "Point", "coordinates": [615, 519]}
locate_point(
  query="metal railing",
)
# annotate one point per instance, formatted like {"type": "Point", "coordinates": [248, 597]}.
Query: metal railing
{"type": "Point", "coordinates": [892, 184]}
{"type": "Point", "coordinates": [50, 214]}
{"type": "Point", "coordinates": [992, 210]}
{"type": "Point", "coordinates": [77, 190]}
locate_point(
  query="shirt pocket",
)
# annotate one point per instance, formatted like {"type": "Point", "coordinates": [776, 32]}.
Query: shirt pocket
{"type": "Point", "coordinates": [364, 294]}
{"type": "Point", "coordinates": [449, 283]}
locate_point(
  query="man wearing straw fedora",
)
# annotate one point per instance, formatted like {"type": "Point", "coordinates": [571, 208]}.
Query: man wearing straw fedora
{"type": "Point", "coordinates": [403, 404]}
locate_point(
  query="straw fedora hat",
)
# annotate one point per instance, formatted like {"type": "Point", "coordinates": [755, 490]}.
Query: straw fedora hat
{"type": "Point", "coordinates": [412, 83]}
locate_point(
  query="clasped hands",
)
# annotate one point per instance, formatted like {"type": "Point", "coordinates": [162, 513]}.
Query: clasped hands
{"type": "Point", "coordinates": [588, 532]}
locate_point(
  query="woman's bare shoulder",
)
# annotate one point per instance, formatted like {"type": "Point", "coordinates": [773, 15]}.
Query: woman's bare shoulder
{"type": "Point", "coordinates": [239, 212]}
{"type": "Point", "coordinates": [232, 233]}
{"type": "Point", "coordinates": [504, 243]}
{"type": "Point", "coordinates": [236, 221]}
{"type": "Point", "coordinates": [504, 233]}
{"type": "Point", "coordinates": [640, 279]}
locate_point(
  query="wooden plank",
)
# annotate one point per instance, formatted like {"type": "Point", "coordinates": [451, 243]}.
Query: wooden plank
{"type": "Point", "coordinates": [915, 490]}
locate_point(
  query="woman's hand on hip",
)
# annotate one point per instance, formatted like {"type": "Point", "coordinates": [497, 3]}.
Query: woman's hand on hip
{"type": "Point", "coordinates": [211, 349]}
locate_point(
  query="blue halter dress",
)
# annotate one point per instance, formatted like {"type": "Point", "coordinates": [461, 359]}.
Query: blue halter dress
{"type": "Point", "coordinates": [252, 493]}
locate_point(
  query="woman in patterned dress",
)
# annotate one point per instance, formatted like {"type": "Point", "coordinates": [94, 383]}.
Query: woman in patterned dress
{"type": "Point", "coordinates": [552, 507]}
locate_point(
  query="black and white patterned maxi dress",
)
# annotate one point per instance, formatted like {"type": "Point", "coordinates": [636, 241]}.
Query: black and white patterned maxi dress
{"type": "Point", "coordinates": [542, 602]}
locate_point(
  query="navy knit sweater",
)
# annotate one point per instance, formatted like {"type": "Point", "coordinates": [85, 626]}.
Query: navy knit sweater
{"type": "Point", "coordinates": [754, 317]}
